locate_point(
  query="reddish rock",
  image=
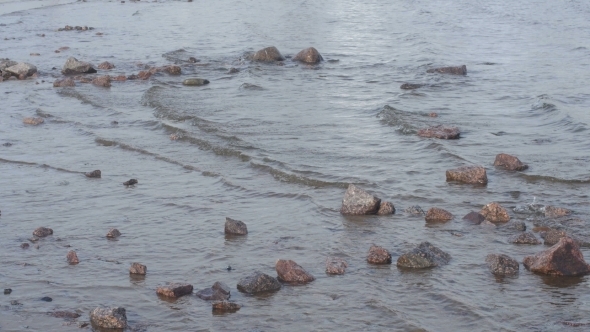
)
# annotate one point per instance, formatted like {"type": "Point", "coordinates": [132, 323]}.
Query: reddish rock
{"type": "Point", "coordinates": [42, 232]}
{"type": "Point", "coordinates": [502, 264]}
{"type": "Point", "coordinates": [72, 258]}
{"type": "Point", "coordinates": [33, 121]}
{"type": "Point", "coordinates": [460, 70]}
{"type": "Point", "coordinates": [103, 81]}
{"type": "Point", "coordinates": [335, 265]}
{"type": "Point", "coordinates": [524, 238]}
{"type": "Point", "coordinates": [64, 82]}
{"type": "Point", "coordinates": [436, 214]}
{"type": "Point", "coordinates": [172, 70]}
{"type": "Point", "coordinates": [225, 306]}
{"type": "Point", "coordinates": [144, 75]}
{"type": "Point", "coordinates": [440, 131]}
{"type": "Point", "coordinates": [563, 259]}
{"type": "Point", "coordinates": [93, 174]}
{"type": "Point", "coordinates": [113, 233]}
{"type": "Point", "coordinates": [474, 218]}
{"type": "Point", "coordinates": [554, 212]}
{"type": "Point", "coordinates": [468, 174]}
{"type": "Point", "coordinates": [120, 78]}
{"type": "Point", "coordinates": [494, 212]}
{"type": "Point", "coordinates": [235, 227]}
{"type": "Point", "coordinates": [291, 272]}
{"type": "Point", "coordinates": [137, 268]}
{"type": "Point", "coordinates": [309, 55]}
{"type": "Point", "coordinates": [106, 65]}
{"type": "Point", "coordinates": [359, 202]}
{"type": "Point", "coordinates": [109, 318]}
{"type": "Point", "coordinates": [269, 54]}
{"type": "Point", "coordinates": [386, 208]}
{"type": "Point", "coordinates": [175, 290]}
{"type": "Point", "coordinates": [509, 162]}
{"type": "Point", "coordinates": [378, 255]}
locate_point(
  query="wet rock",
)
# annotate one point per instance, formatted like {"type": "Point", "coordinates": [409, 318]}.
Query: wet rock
{"type": "Point", "coordinates": [488, 224]}
{"type": "Point", "coordinates": [359, 202]}
{"type": "Point", "coordinates": [72, 258]}
{"type": "Point", "coordinates": [46, 299]}
{"type": "Point", "coordinates": [144, 75]}
{"type": "Point", "coordinates": [502, 264]}
{"type": "Point", "coordinates": [113, 233]}
{"type": "Point", "coordinates": [7, 291]}
{"type": "Point", "coordinates": [378, 255]}
{"type": "Point", "coordinates": [423, 256]}
{"type": "Point", "coordinates": [93, 174]}
{"type": "Point", "coordinates": [386, 208]}
{"type": "Point", "coordinates": [172, 70]}
{"type": "Point", "coordinates": [193, 60]}
{"type": "Point", "coordinates": [410, 86]}
{"type": "Point", "coordinates": [553, 236]}
{"type": "Point", "coordinates": [102, 81]}
{"type": "Point", "coordinates": [64, 314]}
{"type": "Point", "coordinates": [494, 212]}
{"type": "Point", "coordinates": [291, 272]}
{"type": "Point", "coordinates": [258, 283]}
{"type": "Point", "coordinates": [416, 210]}
{"type": "Point", "coordinates": [474, 218]}
{"type": "Point", "coordinates": [33, 121]}
{"type": "Point", "coordinates": [335, 265]}
{"type": "Point", "coordinates": [524, 238]}
{"type": "Point", "coordinates": [269, 54]}
{"type": "Point", "coordinates": [563, 259]}
{"type": "Point", "coordinates": [440, 131]}
{"type": "Point", "coordinates": [119, 78]}
{"type": "Point", "coordinates": [437, 214]}
{"type": "Point", "coordinates": [309, 55]}
{"type": "Point", "coordinates": [509, 162]}
{"type": "Point", "coordinates": [195, 81]}
{"type": "Point", "coordinates": [175, 290]}
{"type": "Point", "coordinates": [106, 65]}
{"type": "Point", "coordinates": [24, 245]}
{"type": "Point", "coordinates": [233, 71]}
{"type": "Point", "coordinates": [519, 226]}
{"type": "Point", "coordinates": [42, 232]}
{"type": "Point", "coordinates": [137, 268]}
{"type": "Point", "coordinates": [555, 212]}
{"type": "Point", "coordinates": [235, 227]}
{"type": "Point", "coordinates": [5, 63]}
{"type": "Point", "coordinates": [73, 67]}
{"type": "Point", "coordinates": [468, 174]}
{"type": "Point", "coordinates": [130, 182]}
{"type": "Point", "coordinates": [225, 306]}
{"type": "Point", "coordinates": [15, 302]}
{"type": "Point", "coordinates": [109, 318]}
{"type": "Point", "coordinates": [218, 292]}
{"type": "Point", "coordinates": [460, 70]}
{"type": "Point", "coordinates": [64, 82]}
{"type": "Point", "coordinates": [21, 70]}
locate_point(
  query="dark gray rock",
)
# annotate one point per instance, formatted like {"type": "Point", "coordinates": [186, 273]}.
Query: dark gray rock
{"type": "Point", "coordinates": [235, 227]}
{"type": "Point", "coordinates": [423, 256]}
{"type": "Point", "coordinates": [24, 245]}
{"type": "Point", "coordinates": [269, 54]}
{"type": "Point", "coordinates": [109, 318]}
{"type": "Point", "coordinates": [502, 264]}
{"type": "Point", "coordinates": [73, 66]}
{"type": "Point", "coordinates": [130, 182]}
{"type": "Point", "coordinates": [309, 55]}
{"type": "Point", "coordinates": [410, 86]}
{"type": "Point", "coordinates": [359, 202]}
{"type": "Point", "coordinates": [509, 162]}
{"type": "Point", "coordinates": [415, 210]}
{"type": "Point", "coordinates": [46, 299]}
{"type": "Point", "coordinates": [518, 226]}
{"type": "Point", "coordinates": [258, 283]}
{"type": "Point", "coordinates": [7, 291]}
{"type": "Point", "coordinates": [460, 70]}
{"type": "Point", "coordinates": [474, 218]}
{"type": "Point", "coordinates": [378, 255]}
{"type": "Point", "coordinates": [137, 268]}
{"type": "Point", "coordinates": [524, 238]}
{"type": "Point", "coordinates": [64, 314]}
{"type": "Point", "coordinates": [175, 290]}
{"type": "Point", "coordinates": [195, 81]}
{"type": "Point", "coordinates": [93, 174]}
{"type": "Point", "coordinates": [291, 272]}
{"type": "Point", "coordinates": [113, 233]}
{"type": "Point", "coordinates": [468, 174]}
{"type": "Point", "coordinates": [42, 232]}
{"type": "Point", "coordinates": [218, 292]}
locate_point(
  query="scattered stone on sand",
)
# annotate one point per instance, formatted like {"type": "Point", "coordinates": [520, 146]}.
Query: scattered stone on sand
{"type": "Point", "coordinates": [554, 211]}
{"type": "Point", "coordinates": [137, 268]}
{"type": "Point", "coordinates": [225, 306]}
{"type": "Point", "coordinates": [291, 272]}
{"type": "Point", "coordinates": [423, 256]}
{"type": "Point", "coordinates": [258, 283]}
{"type": "Point", "coordinates": [46, 299]}
{"type": "Point", "coordinates": [21, 70]}
{"type": "Point", "coordinates": [499, 264]}
{"type": "Point", "coordinates": [73, 67]}
{"type": "Point", "coordinates": [195, 81]}
{"type": "Point", "coordinates": [415, 210]}
{"type": "Point", "coordinates": [437, 214]}
{"type": "Point", "coordinates": [218, 292]}
{"type": "Point", "coordinates": [563, 259]}
{"type": "Point", "coordinates": [72, 258]}
{"type": "Point", "coordinates": [64, 82]}
{"type": "Point", "coordinates": [269, 54]}
{"type": "Point", "coordinates": [440, 131]}
{"type": "Point", "coordinates": [64, 314]}
{"type": "Point", "coordinates": [109, 318]}
{"type": "Point", "coordinates": [524, 238]}
{"type": "Point", "coordinates": [33, 121]}
{"type": "Point", "coordinates": [359, 202]}
{"type": "Point", "coordinates": [235, 227]}
{"type": "Point", "coordinates": [459, 70]}
{"type": "Point", "coordinates": [514, 225]}
{"type": "Point", "coordinates": [42, 232]}
{"type": "Point", "coordinates": [233, 70]}
{"type": "Point", "coordinates": [494, 212]}
{"type": "Point", "coordinates": [106, 65]}
{"type": "Point", "coordinates": [410, 86]}
{"type": "Point", "coordinates": [509, 162]}
{"type": "Point", "coordinates": [24, 245]}
{"type": "Point", "coordinates": [93, 174]}
{"type": "Point", "coordinates": [335, 265]}
{"type": "Point", "coordinates": [113, 233]}
{"type": "Point", "coordinates": [130, 182]}
{"type": "Point", "coordinates": [378, 255]}
{"type": "Point", "coordinates": [7, 291]}
{"type": "Point", "coordinates": [309, 55]}
{"type": "Point", "coordinates": [175, 290]}
{"type": "Point", "coordinates": [468, 174]}
{"type": "Point", "coordinates": [102, 81]}
{"type": "Point", "coordinates": [474, 218]}
{"type": "Point", "coordinates": [386, 208]}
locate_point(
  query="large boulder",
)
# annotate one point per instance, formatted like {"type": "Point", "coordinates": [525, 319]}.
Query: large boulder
{"type": "Point", "coordinates": [494, 212]}
{"type": "Point", "coordinates": [175, 290]}
{"type": "Point", "coordinates": [509, 162]}
{"type": "Point", "coordinates": [335, 265]}
{"type": "Point", "coordinates": [309, 55]}
{"type": "Point", "coordinates": [269, 54]}
{"type": "Point", "coordinates": [356, 201]}
{"type": "Point", "coordinates": [258, 283]}
{"type": "Point", "coordinates": [563, 259]}
{"type": "Point", "coordinates": [378, 255]}
{"type": "Point", "coordinates": [423, 256]}
{"type": "Point", "coordinates": [291, 272]}
{"type": "Point", "coordinates": [21, 70]}
{"type": "Point", "coordinates": [502, 264]}
{"type": "Point", "coordinates": [235, 227]}
{"type": "Point", "coordinates": [73, 67]}
{"type": "Point", "coordinates": [109, 318]}
{"type": "Point", "coordinates": [524, 238]}
{"type": "Point", "coordinates": [218, 292]}
{"type": "Point", "coordinates": [440, 131]}
{"type": "Point", "coordinates": [459, 70]}
{"type": "Point", "coordinates": [438, 215]}
{"type": "Point", "coordinates": [468, 174]}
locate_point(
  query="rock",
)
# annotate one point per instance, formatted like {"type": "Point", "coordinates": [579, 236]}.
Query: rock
{"type": "Point", "coordinates": [258, 283]}
{"type": "Point", "coordinates": [436, 214]}
{"type": "Point", "coordinates": [24, 245]}
{"type": "Point", "coordinates": [93, 174]}
{"type": "Point", "coordinates": [175, 290]}
{"type": "Point", "coordinates": [488, 224]}
{"type": "Point", "coordinates": [195, 81]}
{"type": "Point", "coordinates": [144, 75]}
{"type": "Point", "coordinates": [494, 212]}
{"type": "Point", "coordinates": [524, 238]}
{"type": "Point", "coordinates": [410, 86]}
{"type": "Point", "coordinates": [423, 256]}
{"type": "Point", "coordinates": [172, 70]}
{"type": "Point", "coordinates": [15, 302]}
{"type": "Point", "coordinates": [113, 233]}
{"type": "Point", "coordinates": [235, 227]}
{"type": "Point", "coordinates": [460, 70]}
{"type": "Point", "coordinates": [102, 81]}
{"type": "Point", "coordinates": [415, 209]}
{"type": "Point", "coordinates": [106, 66]}
{"type": "Point", "coordinates": [433, 114]}
{"type": "Point", "coordinates": [33, 121]}
{"type": "Point", "coordinates": [130, 182]}
{"type": "Point", "coordinates": [468, 174]}
{"type": "Point", "coordinates": [440, 131]}
{"type": "Point", "coordinates": [554, 212]}
{"type": "Point", "coordinates": [474, 218]}
{"type": "Point", "coordinates": [119, 78]}
{"type": "Point", "coordinates": [109, 318]}
{"type": "Point", "coordinates": [233, 71]}
{"type": "Point", "coordinates": [309, 55]}
{"type": "Point", "coordinates": [72, 258]}
{"type": "Point", "coordinates": [335, 265]}
{"type": "Point", "coordinates": [64, 82]}
{"type": "Point", "coordinates": [7, 291]}
{"type": "Point", "coordinates": [64, 314]}
{"type": "Point", "coordinates": [5, 63]}
{"type": "Point", "coordinates": [21, 70]}
{"type": "Point", "coordinates": [291, 272]}
{"type": "Point", "coordinates": [73, 66]}
{"type": "Point", "coordinates": [137, 268]}
{"type": "Point", "coordinates": [46, 299]}
{"type": "Point", "coordinates": [225, 306]}
{"type": "Point", "coordinates": [193, 60]}
{"type": "Point", "coordinates": [269, 54]}
{"type": "Point", "coordinates": [563, 259]}
{"type": "Point", "coordinates": [386, 208]}
{"type": "Point", "coordinates": [502, 264]}
{"type": "Point", "coordinates": [359, 202]}
{"type": "Point", "coordinates": [378, 255]}
{"type": "Point", "coordinates": [509, 162]}
{"type": "Point", "coordinates": [553, 236]}
{"type": "Point", "coordinates": [42, 232]}
{"type": "Point", "coordinates": [218, 292]}
{"type": "Point", "coordinates": [519, 226]}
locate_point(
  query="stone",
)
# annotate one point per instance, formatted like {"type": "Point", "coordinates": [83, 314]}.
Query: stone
{"type": "Point", "coordinates": [130, 182]}
{"type": "Point", "coordinates": [195, 81]}
{"type": "Point", "coordinates": [42, 232]}
{"type": "Point", "coordinates": [554, 212]}
{"type": "Point", "coordinates": [335, 265]}
{"type": "Point", "coordinates": [509, 162]}
{"type": "Point", "coordinates": [5, 63]}
{"type": "Point", "coordinates": [109, 318]}
{"type": "Point", "coordinates": [72, 258]}
{"type": "Point", "coordinates": [562, 259]}
{"type": "Point", "coordinates": [258, 283]}
{"type": "Point", "coordinates": [24, 245]}
{"type": "Point", "coordinates": [93, 174]}
{"type": "Point", "coordinates": [172, 70]}
{"type": "Point", "coordinates": [474, 218]}
{"type": "Point", "coordinates": [494, 212]}
{"type": "Point", "coordinates": [64, 314]}
{"type": "Point", "coordinates": [459, 70]}
{"type": "Point", "coordinates": [488, 224]}
{"type": "Point", "coordinates": [437, 214]}
{"type": "Point", "coordinates": [218, 292]}
{"type": "Point", "coordinates": [225, 306]}
{"type": "Point", "coordinates": [21, 70]}
{"type": "Point", "coordinates": [192, 59]}
{"type": "Point", "coordinates": [410, 86]}
{"type": "Point", "coordinates": [175, 290]}
{"type": "Point", "coordinates": [119, 78]}
{"type": "Point", "coordinates": [7, 291]}
{"type": "Point", "coordinates": [144, 75]}
{"type": "Point", "coordinates": [524, 238]}
{"type": "Point", "coordinates": [290, 272]}
{"type": "Point", "coordinates": [64, 82]}
{"type": "Point", "coordinates": [309, 55]}
{"type": "Point", "coordinates": [235, 227]}
{"type": "Point", "coordinates": [386, 208]}
{"type": "Point", "coordinates": [519, 226]}
{"type": "Point", "coordinates": [269, 54]}
{"type": "Point", "coordinates": [356, 201]}
{"type": "Point", "coordinates": [552, 237]}
{"type": "Point", "coordinates": [423, 256]}
{"type": "Point", "coordinates": [102, 81]}
{"type": "Point", "coordinates": [233, 70]}
{"type": "Point", "coordinates": [33, 121]}
{"type": "Point", "coordinates": [416, 210]}
{"type": "Point", "coordinates": [378, 255]}
{"type": "Point", "coordinates": [502, 264]}
{"type": "Point", "coordinates": [106, 65]}
{"type": "Point", "coordinates": [137, 268]}
{"type": "Point", "coordinates": [73, 66]}
{"type": "Point", "coordinates": [113, 233]}
{"type": "Point", "coordinates": [468, 174]}
{"type": "Point", "coordinates": [440, 132]}
{"type": "Point", "coordinates": [46, 299]}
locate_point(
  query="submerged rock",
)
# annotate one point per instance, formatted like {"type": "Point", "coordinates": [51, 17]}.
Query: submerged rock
{"type": "Point", "coordinates": [356, 201]}
{"type": "Point", "coordinates": [552, 236]}
{"type": "Point", "coordinates": [474, 218]}
{"type": "Point", "coordinates": [416, 210]}
{"type": "Point", "coordinates": [106, 65]}
{"type": "Point", "coordinates": [73, 66]}
{"type": "Point", "coordinates": [494, 212]}
{"type": "Point", "coordinates": [64, 82]}
{"type": "Point", "coordinates": [468, 174]}
{"type": "Point", "coordinates": [563, 259]}
{"type": "Point", "coordinates": [137, 268]}
{"type": "Point", "coordinates": [459, 70]}
{"type": "Point", "coordinates": [64, 314]}
{"type": "Point", "coordinates": [235, 227]}
{"type": "Point", "coordinates": [113, 233]}
{"type": "Point", "coordinates": [502, 264]}
{"type": "Point", "coordinates": [291, 272]}
{"type": "Point", "coordinates": [437, 214]}
{"type": "Point", "coordinates": [378, 255]}
{"type": "Point", "coordinates": [72, 258]}
{"type": "Point", "coordinates": [24, 245]}
{"type": "Point", "coordinates": [335, 265]}
{"type": "Point", "coordinates": [519, 226]}
{"type": "Point", "coordinates": [219, 291]}
{"type": "Point", "coordinates": [175, 290]}
{"type": "Point", "coordinates": [269, 54]}
{"type": "Point", "coordinates": [258, 283]}
{"type": "Point", "coordinates": [386, 208]}
{"type": "Point", "coordinates": [309, 55]}
{"type": "Point", "coordinates": [225, 306]}
{"type": "Point", "coordinates": [441, 132]}
{"type": "Point", "coordinates": [509, 162]}
{"type": "Point", "coordinates": [524, 238]}
{"type": "Point", "coordinates": [93, 174]}
{"type": "Point", "coordinates": [423, 256]}
{"type": "Point", "coordinates": [109, 318]}
{"type": "Point", "coordinates": [130, 182]}
{"type": "Point", "coordinates": [410, 86]}
{"type": "Point", "coordinates": [102, 81]}
{"type": "Point", "coordinates": [195, 81]}
{"type": "Point", "coordinates": [42, 232]}
{"type": "Point", "coordinates": [555, 212]}
{"type": "Point", "coordinates": [33, 121]}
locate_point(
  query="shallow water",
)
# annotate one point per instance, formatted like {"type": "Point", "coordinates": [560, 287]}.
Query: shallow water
{"type": "Point", "coordinates": [276, 146]}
